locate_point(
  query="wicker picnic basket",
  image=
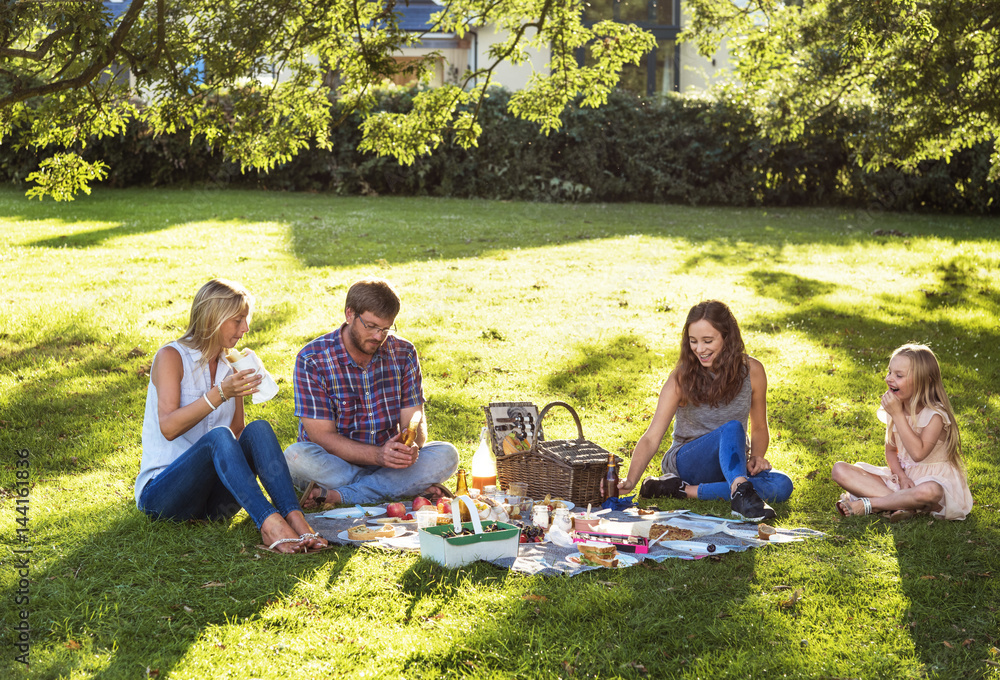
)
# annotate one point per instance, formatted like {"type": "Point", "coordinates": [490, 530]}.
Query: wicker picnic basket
{"type": "Point", "coordinates": [560, 468]}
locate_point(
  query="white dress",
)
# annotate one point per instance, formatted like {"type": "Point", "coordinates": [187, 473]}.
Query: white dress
{"type": "Point", "coordinates": [957, 501]}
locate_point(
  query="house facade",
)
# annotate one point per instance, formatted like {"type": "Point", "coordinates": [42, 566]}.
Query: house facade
{"type": "Point", "coordinates": [670, 67]}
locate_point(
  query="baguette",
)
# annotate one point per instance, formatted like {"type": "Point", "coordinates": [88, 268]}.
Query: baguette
{"type": "Point", "coordinates": [410, 434]}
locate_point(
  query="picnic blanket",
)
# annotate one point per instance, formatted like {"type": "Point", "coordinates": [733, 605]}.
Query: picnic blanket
{"type": "Point", "coordinates": [549, 559]}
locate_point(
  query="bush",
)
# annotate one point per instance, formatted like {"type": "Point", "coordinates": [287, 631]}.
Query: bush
{"type": "Point", "coordinates": [681, 150]}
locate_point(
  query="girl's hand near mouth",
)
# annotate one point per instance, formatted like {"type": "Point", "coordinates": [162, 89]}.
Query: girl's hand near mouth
{"type": "Point", "coordinates": [891, 403]}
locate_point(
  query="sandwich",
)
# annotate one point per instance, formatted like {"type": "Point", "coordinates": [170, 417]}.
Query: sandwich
{"type": "Point", "coordinates": [233, 355]}
{"type": "Point", "coordinates": [364, 533]}
{"type": "Point", "coordinates": [598, 554]}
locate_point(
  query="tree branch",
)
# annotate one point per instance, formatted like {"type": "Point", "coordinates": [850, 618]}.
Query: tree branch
{"type": "Point", "coordinates": [91, 72]}
{"type": "Point", "coordinates": [42, 49]}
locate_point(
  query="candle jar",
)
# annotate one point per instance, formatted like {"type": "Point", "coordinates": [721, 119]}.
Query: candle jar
{"type": "Point", "coordinates": [540, 516]}
{"type": "Point", "coordinates": [560, 518]}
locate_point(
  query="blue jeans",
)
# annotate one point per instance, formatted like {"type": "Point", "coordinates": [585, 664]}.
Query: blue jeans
{"type": "Point", "coordinates": [714, 460]}
{"type": "Point", "coordinates": [310, 462]}
{"type": "Point", "coordinates": [218, 475]}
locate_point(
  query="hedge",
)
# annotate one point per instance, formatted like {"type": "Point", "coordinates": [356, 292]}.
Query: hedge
{"type": "Point", "coordinates": [680, 150]}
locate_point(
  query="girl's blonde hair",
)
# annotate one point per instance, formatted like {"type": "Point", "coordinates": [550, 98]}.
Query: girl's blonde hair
{"type": "Point", "coordinates": [928, 390]}
{"type": "Point", "coordinates": [218, 301]}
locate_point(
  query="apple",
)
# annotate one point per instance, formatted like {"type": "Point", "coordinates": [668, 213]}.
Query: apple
{"type": "Point", "coordinates": [444, 507]}
{"type": "Point", "coordinates": [395, 510]}
{"type": "Point", "coordinates": [420, 502]}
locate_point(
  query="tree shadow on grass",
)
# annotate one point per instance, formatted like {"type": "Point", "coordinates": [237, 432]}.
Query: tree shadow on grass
{"type": "Point", "coordinates": [788, 288]}
{"type": "Point", "coordinates": [605, 623]}
{"type": "Point", "coordinates": [136, 593]}
{"type": "Point", "coordinates": [83, 402]}
{"type": "Point", "coordinates": [617, 368]}
{"type": "Point", "coordinates": [961, 286]}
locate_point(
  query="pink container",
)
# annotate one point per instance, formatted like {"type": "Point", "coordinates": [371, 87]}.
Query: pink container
{"type": "Point", "coordinates": [581, 524]}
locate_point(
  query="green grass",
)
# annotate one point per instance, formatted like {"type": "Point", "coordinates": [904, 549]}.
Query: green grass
{"type": "Point", "coordinates": [505, 301]}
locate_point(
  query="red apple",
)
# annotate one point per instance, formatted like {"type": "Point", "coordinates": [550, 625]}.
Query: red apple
{"type": "Point", "coordinates": [420, 502]}
{"type": "Point", "coordinates": [444, 507]}
{"type": "Point", "coordinates": [395, 510]}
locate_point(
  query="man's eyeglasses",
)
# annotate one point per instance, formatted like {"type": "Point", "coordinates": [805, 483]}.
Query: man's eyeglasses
{"type": "Point", "coordinates": [377, 329]}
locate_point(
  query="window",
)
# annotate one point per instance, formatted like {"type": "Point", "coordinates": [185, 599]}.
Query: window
{"type": "Point", "coordinates": [658, 71]}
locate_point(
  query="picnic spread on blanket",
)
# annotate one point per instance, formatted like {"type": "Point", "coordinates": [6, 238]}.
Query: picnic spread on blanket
{"type": "Point", "coordinates": [536, 508]}
{"type": "Point", "coordinates": [698, 536]}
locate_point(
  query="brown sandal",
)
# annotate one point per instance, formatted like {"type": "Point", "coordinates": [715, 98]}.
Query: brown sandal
{"type": "Point", "coordinates": [442, 492]}
{"type": "Point", "coordinates": [901, 515]}
{"type": "Point", "coordinates": [319, 501]}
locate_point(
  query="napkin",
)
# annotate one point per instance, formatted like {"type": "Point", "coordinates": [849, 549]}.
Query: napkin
{"type": "Point", "coordinates": [267, 388]}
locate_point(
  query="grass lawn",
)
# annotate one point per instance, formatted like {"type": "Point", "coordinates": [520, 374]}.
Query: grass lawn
{"type": "Point", "coordinates": [505, 301]}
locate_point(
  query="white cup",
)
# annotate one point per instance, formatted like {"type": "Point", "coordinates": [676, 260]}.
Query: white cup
{"type": "Point", "coordinates": [426, 517]}
{"type": "Point", "coordinates": [267, 388]}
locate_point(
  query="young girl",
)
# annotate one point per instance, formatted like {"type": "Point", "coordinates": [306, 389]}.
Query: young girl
{"type": "Point", "coordinates": [713, 391]}
{"type": "Point", "coordinates": [922, 449]}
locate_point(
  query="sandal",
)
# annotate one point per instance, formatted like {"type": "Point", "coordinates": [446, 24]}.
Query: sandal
{"type": "Point", "coordinates": [319, 501]}
{"type": "Point", "coordinates": [436, 492]}
{"type": "Point", "coordinates": [845, 509]}
{"type": "Point", "coordinates": [282, 541]}
{"type": "Point", "coordinates": [314, 536]}
{"type": "Point", "coordinates": [900, 515]}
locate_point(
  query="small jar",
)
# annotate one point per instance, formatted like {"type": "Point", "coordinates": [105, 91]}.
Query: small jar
{"type": "Point", "coordinates": [540, 516]}
{"type": "Point", "coordinates": [561, 519]}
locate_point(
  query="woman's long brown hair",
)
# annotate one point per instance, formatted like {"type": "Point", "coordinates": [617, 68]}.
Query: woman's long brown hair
{"type": "Point", "coordinates": [721, 383]}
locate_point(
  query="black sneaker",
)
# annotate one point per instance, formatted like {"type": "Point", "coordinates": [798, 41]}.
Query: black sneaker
{"type": "Point", "coordinates": [747, 505]}
{"type": "Point", "coordinates": [668, 486]}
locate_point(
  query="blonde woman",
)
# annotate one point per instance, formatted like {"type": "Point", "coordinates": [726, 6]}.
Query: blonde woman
{"type": "Point", "coordinates": [199, 459]}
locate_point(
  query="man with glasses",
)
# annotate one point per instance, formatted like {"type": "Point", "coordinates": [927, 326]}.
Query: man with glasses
{"type": "Point", "coordinates": [355, 392]}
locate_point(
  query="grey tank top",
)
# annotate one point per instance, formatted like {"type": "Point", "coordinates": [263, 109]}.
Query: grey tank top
{"type": "Point", "coordinates": [691, 422]}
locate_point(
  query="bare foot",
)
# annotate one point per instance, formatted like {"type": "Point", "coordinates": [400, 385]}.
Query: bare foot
{"type": "Point", "coordinates": [276, 528]}
{"type": "Point", "coordinates": [297, 521]}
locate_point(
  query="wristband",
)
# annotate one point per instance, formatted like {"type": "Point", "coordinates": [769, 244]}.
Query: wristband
{"type": "Point", "coordinates": [222, 394]}
{"type": "Point", "coordinates": [208, 401]}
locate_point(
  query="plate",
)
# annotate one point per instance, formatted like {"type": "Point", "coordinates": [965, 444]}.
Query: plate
{"type": "Point", "coordinates": [392, 520]}
{"type": "Point", "coordinates": [655, 515]}
{"type": "Point", "coordinates": [569, 504]}
{"type": "Point", "coordinates": [624, 560]}
{"type": "Point", "coordinates": [349, 513]}
{"type": "Point", "coordinates": [693, 548]}
{"type": "Point", "coordinates": [344, 537]}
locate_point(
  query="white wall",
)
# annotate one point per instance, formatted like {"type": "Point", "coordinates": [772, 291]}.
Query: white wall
{"type": "Point", "coordinates": [512, 77]}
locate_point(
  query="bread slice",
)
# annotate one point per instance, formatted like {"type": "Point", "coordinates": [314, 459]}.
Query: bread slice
{"type": "Point", "coordinates": [365, 533]}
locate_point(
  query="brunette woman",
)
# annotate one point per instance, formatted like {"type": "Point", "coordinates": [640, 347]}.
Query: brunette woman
{"type": "Point", "coordinates": [714, 389]}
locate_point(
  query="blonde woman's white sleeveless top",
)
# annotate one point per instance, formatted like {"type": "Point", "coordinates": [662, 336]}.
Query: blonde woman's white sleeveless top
{"type": "Point", "coordinates": [157, 451]}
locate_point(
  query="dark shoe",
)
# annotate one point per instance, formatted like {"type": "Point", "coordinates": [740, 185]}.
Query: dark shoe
{"type": "Point", "coordinates": [749, 506]}
{"type": "Point", "coordinates": [668, 486]}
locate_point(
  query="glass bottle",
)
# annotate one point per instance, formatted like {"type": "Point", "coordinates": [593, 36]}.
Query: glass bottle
{"type": "Point", "coordinates": [462, 489]}
{"type": "Point", "coordinates": [611, 478]}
